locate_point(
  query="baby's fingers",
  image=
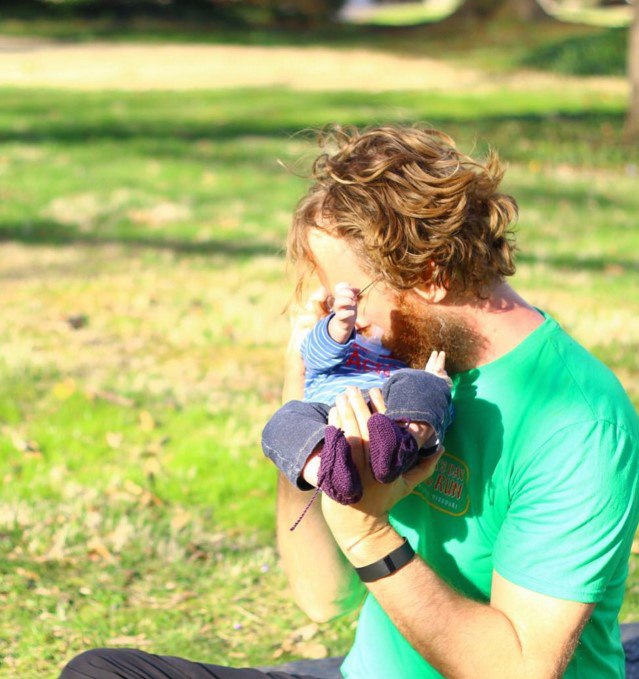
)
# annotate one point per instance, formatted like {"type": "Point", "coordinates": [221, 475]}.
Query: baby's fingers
{"type": "Point", "coordinates": [344, 300]}
{"type": "Point", "coordinates": [377, 401]}
{"type": "Point", "coordinates": [436, 363]}
{"type": "Point", "coordinates": [431, 365]}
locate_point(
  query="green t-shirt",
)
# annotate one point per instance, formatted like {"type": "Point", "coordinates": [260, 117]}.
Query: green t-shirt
{"type": "Point", "coordinates": [540, 482]}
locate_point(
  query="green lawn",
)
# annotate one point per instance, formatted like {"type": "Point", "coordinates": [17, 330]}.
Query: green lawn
{"type": "Point", "coordinates": [136, 506]}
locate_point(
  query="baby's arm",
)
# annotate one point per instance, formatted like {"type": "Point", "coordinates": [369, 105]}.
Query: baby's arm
{"type": "Point", "coordinates": [328, 343]}
{"type": "Point", "coordinates": [341, 325]}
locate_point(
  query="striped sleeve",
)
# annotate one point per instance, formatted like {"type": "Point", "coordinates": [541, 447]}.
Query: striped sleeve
{"type": "Point", "coordinates": [321, 353]}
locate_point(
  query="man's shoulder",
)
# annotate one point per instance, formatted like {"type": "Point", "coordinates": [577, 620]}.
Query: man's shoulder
{"type": "Point", "coordinates": [585, 387]}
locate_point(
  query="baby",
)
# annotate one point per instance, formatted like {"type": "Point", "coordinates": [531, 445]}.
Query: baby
{"type": "Point", "coordinates": [336, 356]}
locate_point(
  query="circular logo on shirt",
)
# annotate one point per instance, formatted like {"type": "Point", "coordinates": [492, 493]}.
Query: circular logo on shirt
{"type": "Point", "coordinates": [447, 489]}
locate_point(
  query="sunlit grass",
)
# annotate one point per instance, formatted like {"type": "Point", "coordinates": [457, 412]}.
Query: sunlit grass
{"type": "Point", "coordinates": [142, 290]}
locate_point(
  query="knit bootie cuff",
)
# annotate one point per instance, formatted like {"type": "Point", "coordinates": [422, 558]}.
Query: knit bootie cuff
{"type": "Point", "coordinates": [338, 476]}
{"type": "Point", "coordinates": [393, 450]}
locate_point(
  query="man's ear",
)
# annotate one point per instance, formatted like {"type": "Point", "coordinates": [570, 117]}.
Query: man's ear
{"type": "Point", "coordinates": [431, 293]}
{"type": "Point", "coordinates": [428, 291]}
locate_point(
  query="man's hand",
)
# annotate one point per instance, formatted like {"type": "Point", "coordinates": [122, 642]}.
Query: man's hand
{"type": "Point", "coordinates": [362, 530]}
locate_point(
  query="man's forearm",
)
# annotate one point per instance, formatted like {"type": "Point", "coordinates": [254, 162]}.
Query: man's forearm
{"type": "Point", "coordinates": [324, 584]}
{"type": "Point", "coordinates": [456, 635]}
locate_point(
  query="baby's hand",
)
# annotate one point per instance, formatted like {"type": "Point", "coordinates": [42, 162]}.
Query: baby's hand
{"type": "Point", "coordinates": [436, 364]}
{"type": "Point", "coordinates": [340, 327]}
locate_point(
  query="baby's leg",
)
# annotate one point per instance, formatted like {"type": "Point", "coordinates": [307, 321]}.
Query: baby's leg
{"type": "Point", "coordinates": [297, 437]}
{"type": "Point", "coordinates": [292, 434]}
{"type": "Point", "coordinates": [419, 407]}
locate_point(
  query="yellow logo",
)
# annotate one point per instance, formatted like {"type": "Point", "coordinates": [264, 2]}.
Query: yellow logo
{"type": "Point", "coordinates": [447, 489]}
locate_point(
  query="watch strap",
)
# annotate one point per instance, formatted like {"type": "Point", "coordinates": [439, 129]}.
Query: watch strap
{"type": "Point", "coordinates": [392, 562]}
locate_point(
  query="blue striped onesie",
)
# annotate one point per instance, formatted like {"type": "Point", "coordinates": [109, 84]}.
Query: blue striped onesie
{"type": "Point", "coordinates": [331, 366]}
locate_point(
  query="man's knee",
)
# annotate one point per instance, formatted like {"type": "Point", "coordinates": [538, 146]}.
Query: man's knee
{"type": "Point", "coordinates": [96, 664]}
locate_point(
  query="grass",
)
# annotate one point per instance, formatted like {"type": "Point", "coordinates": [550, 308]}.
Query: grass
{"type": "Point", "coordinates": [137, 508]}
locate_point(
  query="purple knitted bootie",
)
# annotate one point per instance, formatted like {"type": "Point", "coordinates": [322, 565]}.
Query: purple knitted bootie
{"type": "Point", "coordinates": [393, 450]}
{"type": "Point", "coordinates": [338, 477]}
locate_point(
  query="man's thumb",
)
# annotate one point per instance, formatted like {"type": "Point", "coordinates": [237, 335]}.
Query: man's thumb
{"type": "Point", "coordinates": [423, 470]}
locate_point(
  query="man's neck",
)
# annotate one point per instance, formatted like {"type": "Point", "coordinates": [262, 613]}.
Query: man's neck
{"type": "Point", "coordinates": [501, 323]}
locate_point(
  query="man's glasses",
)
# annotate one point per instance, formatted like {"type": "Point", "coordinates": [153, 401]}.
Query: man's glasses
{"type": "Point", "coordinates": [366, 287]}
{"type": "Point", "coordinates": [331, 299]}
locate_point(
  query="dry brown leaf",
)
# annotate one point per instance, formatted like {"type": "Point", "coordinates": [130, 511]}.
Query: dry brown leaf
{"type": "Point", "coordinates": [180, 519]}
{"type": "Point", "coordinates": [121, 534]}
{"type": "Point", "coordinates": [29, 448]}
{"type": "Point", "coordinates": [28, 575]}
{"type": "Point", "coordinates": [131, 640]}
{"type": "Point", "coordinates": [114, 439]}
{"type": "Point", "coordinates": [65, 389]}
{"type": "Point", "coordinates": [111, 398]}
{"type": "Point", "coordinates": [96, 548]}
{"type": "Point", "coordinates": [147, 423]}
{"type": "Point", "coordinates": [307, 632]}
{"type": "Point", "coordinates": [132, 488]}
{"type": "Point", "coordinates": [148, 499]}
{"type": "Point", "coordinates": [299, 637]}
{"type": "Point", "coordinates": [311, 650]}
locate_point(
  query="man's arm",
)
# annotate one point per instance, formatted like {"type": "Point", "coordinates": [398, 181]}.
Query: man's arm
{"type": "Point", "coordinates": [321, 352]}
{"type": "Point", "coordinates": [324, 584]}
{"type": "Point", "coordinates": [519, 634]}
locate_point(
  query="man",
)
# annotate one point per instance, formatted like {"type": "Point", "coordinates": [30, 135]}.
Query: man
{"type": "Point", "coordinates": [522, 527]}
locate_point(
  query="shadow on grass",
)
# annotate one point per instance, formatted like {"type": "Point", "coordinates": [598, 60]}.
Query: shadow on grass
{"type": "Point", "coordinates": [602, 53]}
{"type": "Point", "coordinates": [53, 233]}
{"type": "Point", "coordinates": [265, 114]}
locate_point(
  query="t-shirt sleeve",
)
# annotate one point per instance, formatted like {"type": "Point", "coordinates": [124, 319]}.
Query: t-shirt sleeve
{"type": "Point", "coordinates": [573, 513]}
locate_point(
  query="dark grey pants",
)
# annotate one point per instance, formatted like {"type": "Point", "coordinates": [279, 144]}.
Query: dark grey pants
{"type": "Point", "coordinates": [129, 663]}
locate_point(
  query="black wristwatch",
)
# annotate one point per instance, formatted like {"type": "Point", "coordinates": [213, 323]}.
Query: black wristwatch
{"type": "Point", "coordinates": [392, 562]}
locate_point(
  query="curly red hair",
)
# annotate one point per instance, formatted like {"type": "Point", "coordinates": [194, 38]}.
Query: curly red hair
{"type": "Point", "coordinates": [413, 207]}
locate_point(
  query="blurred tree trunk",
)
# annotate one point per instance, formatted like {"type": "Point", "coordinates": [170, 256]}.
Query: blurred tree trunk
{"type": "Point", "coordinates": [632, 121]}
{"type": "Point", "coordinates": [483, 10]}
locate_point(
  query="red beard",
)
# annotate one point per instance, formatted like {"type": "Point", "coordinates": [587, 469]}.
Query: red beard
{"type": "Point", "coordinates": [418, 329]}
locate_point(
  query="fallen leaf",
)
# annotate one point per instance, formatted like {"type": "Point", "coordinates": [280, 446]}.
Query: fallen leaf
{"type": "Point", "coordinates": [114, 439]}
{"type": "Point", "coordinates": [29, 448]}
{"type": "Point", "coordinates": [137, 640]}
{"type": "Point", "coordinates": [147, 423]}
{"type": "Point", "coordinates": [307, 632]}
{"type": "Point", "coordinates": [111, 397]}
{"type": "Point", "coordinates": [96, 547]}
{"type": "Point", "coordinates": [180, 519]}
{"type": "Point", "coordinates": [311, 650]}
{"type": "Point", "coordinates": [65, 389]}
{"type": "Point", "coordinates": [27, 575]}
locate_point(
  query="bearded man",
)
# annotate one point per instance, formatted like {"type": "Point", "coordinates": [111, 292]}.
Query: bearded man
{"type": "Point", "coordinates": [521, 528]}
